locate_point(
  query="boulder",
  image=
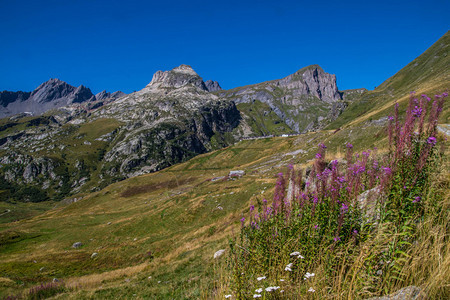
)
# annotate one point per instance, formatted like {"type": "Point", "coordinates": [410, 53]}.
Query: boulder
{"type": "Point", "coordinates": [219, 253]}
{"type": "Point", "coordinates": [77, 245]}
{"type": "Point", "coordinates": [408, 293]}
{"type": "Point", "coordinates": [236, 173]}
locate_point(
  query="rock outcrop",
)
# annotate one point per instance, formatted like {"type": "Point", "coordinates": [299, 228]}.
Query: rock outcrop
{"type": "Point", "coordinates": [104, 95]}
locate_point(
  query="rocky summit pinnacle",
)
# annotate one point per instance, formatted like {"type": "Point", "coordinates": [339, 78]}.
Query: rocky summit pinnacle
{"type": "Point", "coordinates": [186, 69]}
{"type": "Point", "coordinates": [178, 77]}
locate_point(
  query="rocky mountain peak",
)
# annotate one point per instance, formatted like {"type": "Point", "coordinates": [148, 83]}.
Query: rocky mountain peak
{"type": "Point", "coordinates": [313, 80]}
{"type": "Point", "coordinates": [50, 90]}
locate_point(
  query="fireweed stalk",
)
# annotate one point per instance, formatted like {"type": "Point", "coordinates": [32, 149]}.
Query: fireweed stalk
{"type": "Point", "coordinates": [322, 209]}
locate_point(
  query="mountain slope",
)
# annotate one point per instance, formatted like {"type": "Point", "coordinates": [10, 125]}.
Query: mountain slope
{"type": "Point", "coordinates": [429, 73]}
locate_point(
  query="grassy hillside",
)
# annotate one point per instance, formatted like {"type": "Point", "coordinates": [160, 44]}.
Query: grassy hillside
{"type": "Point", "coordinates": [166, 225]}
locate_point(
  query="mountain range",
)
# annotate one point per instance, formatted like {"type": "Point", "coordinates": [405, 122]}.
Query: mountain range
{"type": "Point", "coordinates": [51, 94]}
{"type": "Point", "coordinates": [175, 117]}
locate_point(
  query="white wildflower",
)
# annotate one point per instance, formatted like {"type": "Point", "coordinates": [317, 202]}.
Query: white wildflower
{"type": "Point", "coordinates": [311, 290]}
{"type": "Point", "coordinates": [261, 278]}
{"type": "Point", "coordinates": [296, 253]}
{"type": "Point", "coordinates": [257, 296]}
{"type": "Point", "coordinates": [259, 290]}
{"type": "Point", "coordinates": [227, 296]}
{"type": "Point", "coordinates": [288, 267]}
{"type": "Point", "coordinates": [308, 275]}
{"type": "Point", "coordinates": [281, 279]}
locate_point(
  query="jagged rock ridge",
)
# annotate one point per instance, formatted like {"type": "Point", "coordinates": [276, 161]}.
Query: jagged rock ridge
{"type": "Point", "coordinates": [212, 86]}
{"type": "Point", "coordinates": [104, 95]}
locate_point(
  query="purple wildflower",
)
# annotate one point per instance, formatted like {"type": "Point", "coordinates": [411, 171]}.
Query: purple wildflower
{"type": "Point", "coordinates": [445, 94]}
{"type": "Point", "coordinates": [318, 156]}
{"type": "Point", "coordinates": [252, 207]}
{"type": "Point", "coordinates": [242, 221]}
{"type": "Point", "coordinates": [350, 146]}
{"type": "Point", "coordinates": [431, 140]}
{"type": "Point", "coordinates": [315, 200]}
{"type": "Point", "coordinates": [337, 239]}
{"type": "Point", "coordinates": [387, 170]}
{"type": "Point", "coordinates": [316, 226]}
{"type": "Point", "coordinates": [417, 199]}
{"type": "Point", "coordinates": [417, 111]}
{"type": "Point", "coordinates": [290, 166]}
{"type": "Point", "coordinates": [344, 208]}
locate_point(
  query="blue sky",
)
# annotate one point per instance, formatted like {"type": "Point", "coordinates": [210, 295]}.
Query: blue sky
{"type": "Point", "coordinates": [118, 45]}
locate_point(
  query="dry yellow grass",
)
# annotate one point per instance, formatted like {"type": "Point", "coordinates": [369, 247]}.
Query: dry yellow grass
{"type": "Point", "coordinates": [95, 280]}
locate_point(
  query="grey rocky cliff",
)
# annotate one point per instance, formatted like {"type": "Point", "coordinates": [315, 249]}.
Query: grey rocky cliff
{"type": "Point", "coordinates": [304, 100]}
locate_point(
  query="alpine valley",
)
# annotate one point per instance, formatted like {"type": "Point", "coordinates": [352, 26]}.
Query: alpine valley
{"type": "Point", "coordinates": [123, 196]}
